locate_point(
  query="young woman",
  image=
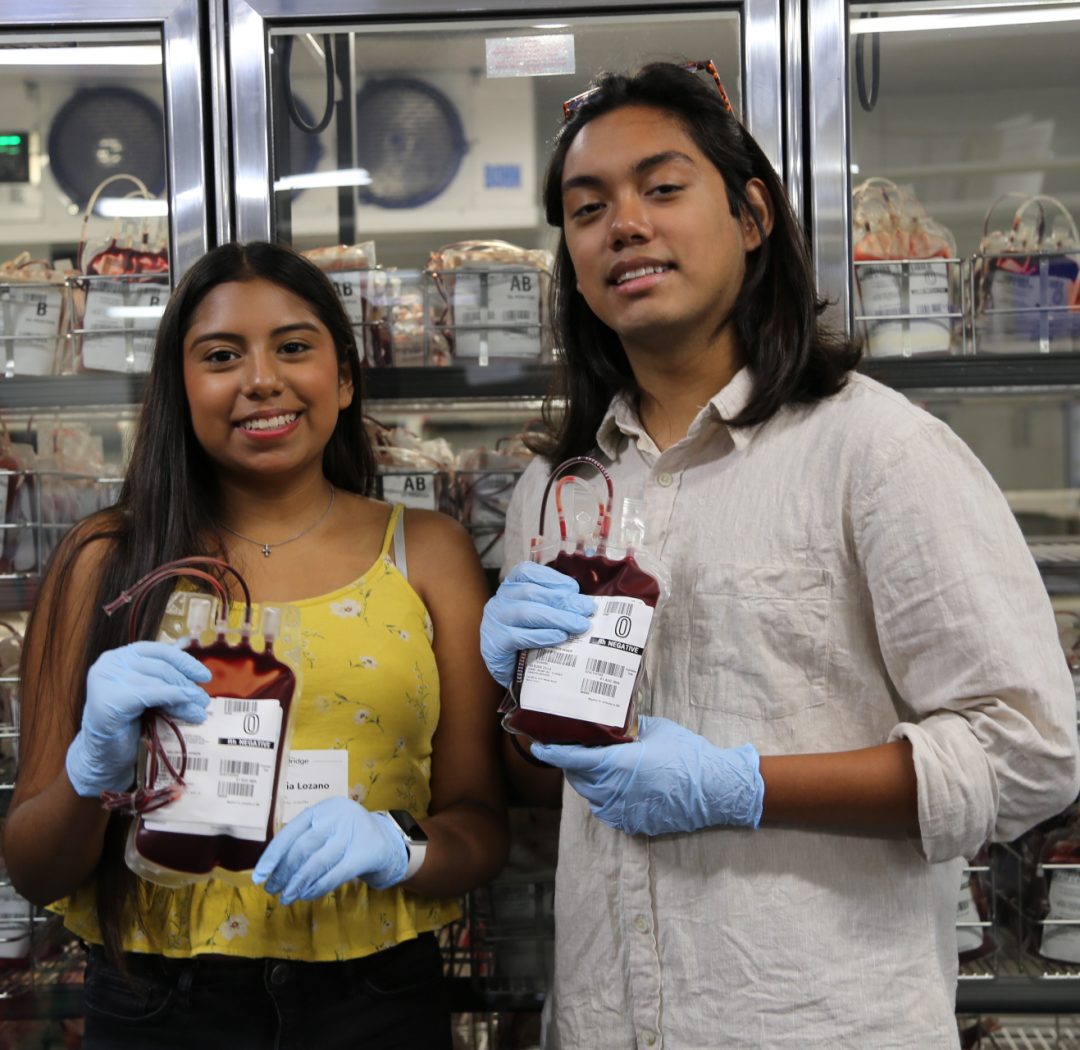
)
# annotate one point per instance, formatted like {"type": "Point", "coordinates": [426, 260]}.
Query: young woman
{"type": "Point", "coordinates": [856, 681]}
{"type": "Point", "coordinates": [251, 447]}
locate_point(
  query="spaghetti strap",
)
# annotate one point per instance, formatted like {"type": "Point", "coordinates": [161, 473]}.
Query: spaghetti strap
{"type": "Point", "coordinates": [395, 538]}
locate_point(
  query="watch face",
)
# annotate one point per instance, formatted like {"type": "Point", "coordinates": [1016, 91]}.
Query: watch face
{"type": "Point", "coordinates": [404, 820]}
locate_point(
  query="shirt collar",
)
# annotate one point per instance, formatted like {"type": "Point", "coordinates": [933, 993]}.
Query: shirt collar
{"type": "Point", "coordinates": [621, 418]}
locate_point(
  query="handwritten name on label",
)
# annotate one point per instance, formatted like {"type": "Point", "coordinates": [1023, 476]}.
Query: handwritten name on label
{"type": "Point", "coordinates": [313, 775]}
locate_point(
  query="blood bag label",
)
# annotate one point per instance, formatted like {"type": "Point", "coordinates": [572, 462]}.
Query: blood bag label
{"type": "Point", "coordinates": [229, 781]}
{"type": "Point", "coordinates": [1063, 942]}
{"type": "Point", "coordinates": [119, 324]}
{"type": "Point", "coordinates": [313, 775]}
{"type": "Point", "coordinates": [969, 931]}
{"type": "Point", "coordinates": [497, 313]}
{"type": "Point", "coordinates": [907, 293]}
{"type": "Point", "coordinates": [1029, 306]}
{"type": "Point", "coordinates": [412, 490]}
{"type": "Point", "coordinates": [351, 287]}
{"type": "Point", "coordinates": [15, 922]}
{"type": "Point", "coordinates": [592, 676]}
{"type": "Point", "coordinates": [29, 326]}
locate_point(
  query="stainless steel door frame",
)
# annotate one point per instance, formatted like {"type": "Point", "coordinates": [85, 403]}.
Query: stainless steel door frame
{"type": "Point", "coordinates": [250, 76]}
{"type": "Point", "coordinates": [828, 123]}
{"type": "Point", "coordinates": [180, 24]}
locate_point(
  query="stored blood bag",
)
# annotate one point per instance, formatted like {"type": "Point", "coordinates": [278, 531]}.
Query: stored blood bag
{"type": "Point", "coordinates": [582, 692]}
{"type": "Point", "coordinates": [901, 272]}
{"type": "Point", "coordinates": [206, 804]}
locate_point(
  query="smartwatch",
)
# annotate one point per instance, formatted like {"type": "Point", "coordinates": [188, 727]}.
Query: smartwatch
{"type": "Point", "coordinates": [415, 837]}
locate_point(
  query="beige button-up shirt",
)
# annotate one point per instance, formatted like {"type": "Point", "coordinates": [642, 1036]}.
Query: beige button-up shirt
{"type": "Point", "coordinates": [842, 575]}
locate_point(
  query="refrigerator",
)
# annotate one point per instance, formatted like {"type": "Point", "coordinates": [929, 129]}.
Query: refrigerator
{"type": "Point", "coordinates": [403, 145]}
{"type": "Point", "coordinates": [107, 195]}
{"type": "Point", "coordinates": [945, 153]}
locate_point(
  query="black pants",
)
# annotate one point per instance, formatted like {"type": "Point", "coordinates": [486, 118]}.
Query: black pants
{"type": "Point", "coordinates": [393, 1000]}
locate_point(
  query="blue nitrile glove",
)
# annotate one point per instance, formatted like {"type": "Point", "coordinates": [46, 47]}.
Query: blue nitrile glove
{"type": "Point", "coordinates": [667, 780]}
{"type": "Point", "coordinates": [120, 686]}
{"type": "Point", "coordinates": [534, 607]}
{"type": "Point", "coordinates": [329, 843]}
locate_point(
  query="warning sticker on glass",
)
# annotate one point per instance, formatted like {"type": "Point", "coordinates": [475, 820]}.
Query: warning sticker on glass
{"type": "Point", "coordinates": [592, 676]}
{"type": "Point", "coordinates": [229, 781]}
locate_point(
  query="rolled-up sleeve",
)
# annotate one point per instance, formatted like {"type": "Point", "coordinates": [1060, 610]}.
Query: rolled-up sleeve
{"type": "Point", "coordinates": [968, 637]}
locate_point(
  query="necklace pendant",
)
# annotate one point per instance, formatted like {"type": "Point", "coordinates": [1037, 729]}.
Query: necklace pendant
{"type": "Point", "coordinates": [266, 550]}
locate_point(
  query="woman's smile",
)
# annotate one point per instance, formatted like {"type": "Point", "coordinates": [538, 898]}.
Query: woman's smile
{"type": "Point", "coordinates": [263, 379]}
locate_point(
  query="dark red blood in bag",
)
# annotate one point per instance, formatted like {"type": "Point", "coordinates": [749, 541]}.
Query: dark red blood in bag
{"type": "Point", "coordinates": [244, 674]}
{"type": "Point", "coordinates": [115, 259]}
{"type": "Point", "coordinates": [596, 576]}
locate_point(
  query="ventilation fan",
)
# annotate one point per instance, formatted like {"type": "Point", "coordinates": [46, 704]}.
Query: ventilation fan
{"type": "Point", "coordinates": [409, 138]}
{"type": "Point", "coordinates": [106, 131]}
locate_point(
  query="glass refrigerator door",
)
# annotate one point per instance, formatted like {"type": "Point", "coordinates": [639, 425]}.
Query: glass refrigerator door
{"type": "Point", "coordinates": [417, 134]}
{"type": "Point", "coordinates": [103, 205]}
{"type": "Point", "coordinates": [409, 157]}
{"type": "Point", "coordinates": [103, 199]}
{"type": "Point", "coordinates": [946, 152]}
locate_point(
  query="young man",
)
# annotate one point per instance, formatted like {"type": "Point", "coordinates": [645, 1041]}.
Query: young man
{"type": "Point", "coordinates": [856, 681]}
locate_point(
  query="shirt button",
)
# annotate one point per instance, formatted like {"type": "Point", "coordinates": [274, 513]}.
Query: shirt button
{"type": "Point", "coordinates": [664, 479]}
{"type": "Point", "coordinates": [648, 1038]}
{"type": "Point", "coordinates": [642, 924]}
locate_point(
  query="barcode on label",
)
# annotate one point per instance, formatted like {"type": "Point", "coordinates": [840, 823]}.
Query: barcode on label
{"type": "Point", "coordinates": [554, 656]}
{"type": "Point", "coordinates": [241, 707]}
{"type": "Point", "coordinates": [195, 764]}
{"type": "Point", "coordinates": [619, 608]}
{"type": "Point", "coordinates": [604, 667]}
{"type": "Point", "coordinates": [598, 688]}
{"type": "Point", "coordinates": [232, 767]}
{"type": "Point", "coordinates": [519, 315]}
{"type": "Point", "coordinates": [226, 788]}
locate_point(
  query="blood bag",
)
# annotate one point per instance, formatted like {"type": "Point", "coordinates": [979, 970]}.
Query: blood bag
{"type": "Point", "coordinates": [208, 796]}
{"type": "Point", "coordinates": [1059, 899]}
{"type": "Point", "coordinates": [1027, 280]}
{"type": "Point", "coordinates": [902, 272]}
{"type": "Point", "coordinates": [582, 691]}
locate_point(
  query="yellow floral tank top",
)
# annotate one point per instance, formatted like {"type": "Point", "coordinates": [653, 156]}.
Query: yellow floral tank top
{"type": "Point", "coordinates": [371, 688]}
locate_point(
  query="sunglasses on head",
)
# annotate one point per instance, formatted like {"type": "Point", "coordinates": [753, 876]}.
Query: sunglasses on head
{"type": "Point", "coordinates": [572, 105]}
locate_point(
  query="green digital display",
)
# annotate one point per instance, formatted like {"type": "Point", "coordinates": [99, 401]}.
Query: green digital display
{"type": "Point", "coordinates": [14, 156]}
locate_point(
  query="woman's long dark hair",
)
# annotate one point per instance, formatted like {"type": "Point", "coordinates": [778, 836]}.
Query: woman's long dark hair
{"type": "Point", "coordinates": [169, 505]}
{"type": "Point", "coordinates": [793, 358]}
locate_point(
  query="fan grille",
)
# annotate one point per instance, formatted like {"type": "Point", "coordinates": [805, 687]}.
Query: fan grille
{"type": "Point", "coordinates": [409, 138]}
{"type": "Point", "coordinates": [106, 131]}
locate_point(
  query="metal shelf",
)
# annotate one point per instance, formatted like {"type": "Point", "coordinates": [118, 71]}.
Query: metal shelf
{"type": "Point", "coordinates": [1019, 995]}
{"type": "Point", "coordinates": [526, 379]}
{"type": "Point", "coordinates": [504, 379]}
{"type": "Point", "coordinates": [1001, 373]}
{"type": "Point", "coordinates": [72, 391]}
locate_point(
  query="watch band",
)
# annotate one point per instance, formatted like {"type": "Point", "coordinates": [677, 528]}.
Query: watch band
{"type": "Point", "coordinates": [415, 840]}
{"type": "Point", "coordinates": [417, 852]}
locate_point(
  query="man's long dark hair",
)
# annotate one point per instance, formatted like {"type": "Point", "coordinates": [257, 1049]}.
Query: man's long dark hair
{"type": "Point", "coordinates": [170, 506]}
{"type": "Point", "coordinates": [793, 358]}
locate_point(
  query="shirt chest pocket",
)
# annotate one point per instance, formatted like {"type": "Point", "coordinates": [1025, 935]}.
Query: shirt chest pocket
{"type": "Point", "coordinates": [759, 639]}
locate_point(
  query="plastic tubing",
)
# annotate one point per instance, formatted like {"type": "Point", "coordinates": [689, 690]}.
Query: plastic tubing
{"type": "Point", "coordinates": [604, 523]}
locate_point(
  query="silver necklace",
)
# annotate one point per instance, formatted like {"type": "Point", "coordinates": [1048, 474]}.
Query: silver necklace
{"type": "Point", "coordinates": [268, 547]}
